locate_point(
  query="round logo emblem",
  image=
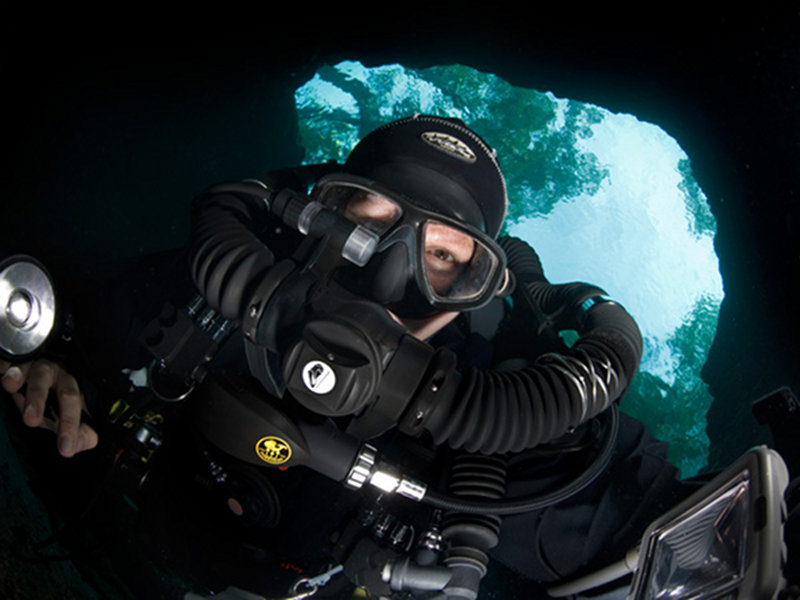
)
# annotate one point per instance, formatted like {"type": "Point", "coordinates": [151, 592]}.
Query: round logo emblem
{"type": "Point", "coordinates": [319, 377]}
{"type": "Point", "coordinates": [273, 450]}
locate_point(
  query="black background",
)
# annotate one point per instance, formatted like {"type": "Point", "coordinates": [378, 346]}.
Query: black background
{"type": "Point", "coordinates": [116, 116]}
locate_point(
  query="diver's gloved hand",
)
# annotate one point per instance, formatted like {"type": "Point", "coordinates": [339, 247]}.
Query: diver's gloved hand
{"type": "Point", "coordinates": [39, 378]}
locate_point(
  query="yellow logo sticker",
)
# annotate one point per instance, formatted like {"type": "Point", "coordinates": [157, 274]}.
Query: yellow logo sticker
{"type": "Point", "coordinates": [273, 450]}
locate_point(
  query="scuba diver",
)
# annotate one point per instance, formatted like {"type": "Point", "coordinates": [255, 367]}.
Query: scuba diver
{"type": "Point", "coordinates": [350, 331]}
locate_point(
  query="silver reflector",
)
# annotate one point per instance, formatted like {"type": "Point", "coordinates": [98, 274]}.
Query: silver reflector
{"type": "Point", "coordinates": [27, 306]}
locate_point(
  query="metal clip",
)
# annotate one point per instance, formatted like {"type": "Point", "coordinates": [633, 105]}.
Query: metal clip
{"type": "Point", "coordinates": [313, 583]}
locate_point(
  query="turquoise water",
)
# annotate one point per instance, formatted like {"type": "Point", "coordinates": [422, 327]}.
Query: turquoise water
{"type": "Point", "coordinates": [602, 197]}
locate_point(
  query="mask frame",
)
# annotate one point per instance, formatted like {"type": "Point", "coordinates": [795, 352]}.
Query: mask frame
{"type": "Point", "coordinates": [408, 229]}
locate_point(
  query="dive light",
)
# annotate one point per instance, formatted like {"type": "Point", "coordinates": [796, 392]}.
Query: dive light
{"type": "Point", "coordinates": [27, 307]}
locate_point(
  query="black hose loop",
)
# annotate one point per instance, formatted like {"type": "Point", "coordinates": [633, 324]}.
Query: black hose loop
{"type": "Point", "coordinates": [226, 256]}
{"type": "Point", "coordinates": [522, 259]}
{"type": "Point", "coordinates": [501, 412]}
{"type": "Point", "coordinates": [512, 506]}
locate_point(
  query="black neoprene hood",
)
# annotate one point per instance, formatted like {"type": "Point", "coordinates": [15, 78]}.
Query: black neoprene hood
{"type": "Point", "coordinates": [439, 164]}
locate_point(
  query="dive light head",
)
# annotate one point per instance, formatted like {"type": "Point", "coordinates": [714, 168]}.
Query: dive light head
{"type": "Point", "coordinates": [27, 307]}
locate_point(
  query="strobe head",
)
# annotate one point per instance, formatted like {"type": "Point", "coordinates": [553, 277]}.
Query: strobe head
{"type": "Point", "coordinates": [27, 307]}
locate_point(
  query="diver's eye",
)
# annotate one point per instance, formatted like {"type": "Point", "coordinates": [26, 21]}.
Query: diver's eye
{"type": "Point", "coordinates": [448, 244]}
{"type": "Point", "coordinates": [440, 254]}
{"type": "Point", "coordinates": [447, 252]}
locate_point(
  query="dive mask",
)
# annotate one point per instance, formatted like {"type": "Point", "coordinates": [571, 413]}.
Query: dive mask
{"type": "Point", "coordinates": [424, 262]}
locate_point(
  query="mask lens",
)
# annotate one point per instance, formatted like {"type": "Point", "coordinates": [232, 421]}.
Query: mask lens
{"type": "Point", "coordinates": [458, 267]}
{"type": "Point", "coordinates": [364, 207]}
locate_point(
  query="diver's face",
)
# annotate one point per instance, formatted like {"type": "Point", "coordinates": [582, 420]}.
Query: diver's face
{"type": "Point", "coordinates": [446, 250]}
